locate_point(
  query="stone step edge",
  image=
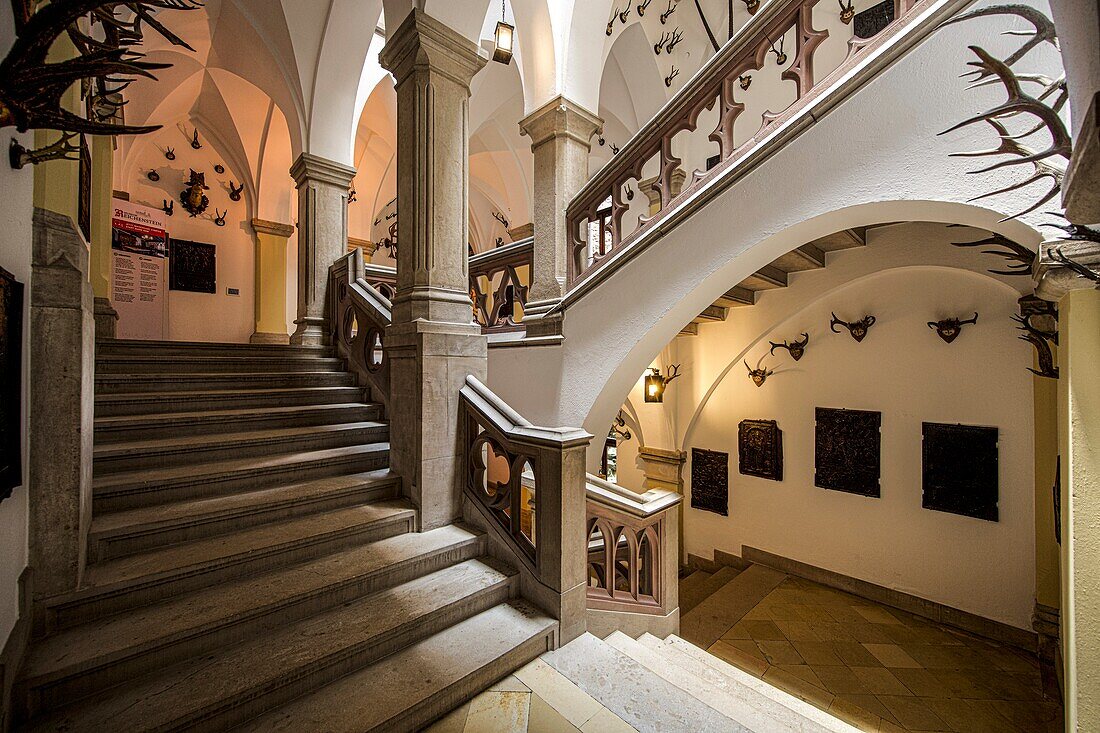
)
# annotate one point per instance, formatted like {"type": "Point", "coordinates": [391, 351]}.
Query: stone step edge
{"type": "Point", "coordinates": [119, 423]}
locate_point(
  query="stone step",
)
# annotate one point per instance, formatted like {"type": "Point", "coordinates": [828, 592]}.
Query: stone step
{"type": "Point", "coordinates": [111, 430]}
{"type": "Point", "coordinates": [641, 697]}
{"type": "Point", "coordinates": [146, 487]}
{"type": "Point", "coordinates": [118, 534]}
{"type": "Point", "coordinates": [690, 585]}
{"type": "Point", "coordinates": [219, 689]}
{"type": "Point", "coordinates": [406, 691]}
{"type": "Point", "coordinates": [138, 580]}
{"type": "Point", "coordinates": [134, 347]}
{"type": "Point", "coordinates": [108, 384]}
{"type": "Point", "coordinates": [128, 405]}
{"type": "Point", "coordinates": [187, 364]}
{"type": "Point", "coordinates": [716, 614]}
{"type": "Point", "coordinates": [697, 593]}
{"type": "Point", "coordinates": [189, 450]}
{"type": "Point", "coordinates": [91, 657]}
{"type": "Point", "coordinates": [788, 711]}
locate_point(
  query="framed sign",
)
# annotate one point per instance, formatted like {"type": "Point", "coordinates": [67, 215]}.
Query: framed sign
{"type": "Point", "coordinates": [710, 481]}
{"type": "Point", "coordinates": [846, 451]}
{"type": "Point", "coordinates": [11, 382]}
{"type": "Point", "coordinates": [760, 449]}
{"type": "Point", "coordinates": [959, 467]}
{"type": "Point", "coordinates": [192, 266]}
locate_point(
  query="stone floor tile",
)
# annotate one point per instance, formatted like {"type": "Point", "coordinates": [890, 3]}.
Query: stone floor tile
{"type": "Point", "coordinates": [763, 630]}
{"type": "Point", "coordinates": [779, 652]}
{"type": "Point", "coordinates": [869, 703]}
{"type": "Point", "coordinates": [543, 718]}
{"type": "Point", "coordinates": [913, 714]}
{"type": "Point", "coordinates": [831, 631]}
{"type": "Point", "coordinates": [901, 634]}
{"type": "Point", "coordinates": [962, 684]}
{"type": "Point", "coordinates": [877, 615]}
{"type": "Point", "coordinates": [606, 721]}
{"type": "Point", "coordinates": [748, 646]}
{"type": "Point", "coordinates": [892, 655]}
{"type": "Point", "coordinates": [799, 687]}
{"type": "Point", "coordinates": [510, 683]}
{"type": "Point", "coordinates": [853, 654]}
{"type": "Point", "coordinates": [785, 612]}
{"type": "Point", "coordinates": [738, 631]}
{"type": "Point", "coordinates": [879, 681]}
{"type": "Point", "coordinates": [498, 711]}
{"type": "Point", "coordinates": [1010, 660]}
{"type": "Point", "coordinates": [814, 613]}
{"type": "Point", "coordinates": [963, 717]}
{"type": "Point", "coordinates": [738, 658]}
{"type": "Point", "coordinates": [868, 633]}
{"type": "Point", "coordinates": [844, 614]}
{"type": "Point", "coordinates": [1005, 686]}
{"type": "Point", "coordinates": [921, 682]}
{"type": "Point", "coordinates": [797, 631]}
{"type": "Point", "coordinates": [936, 656]}
{"type": "Point", "coordinates": [803, 672]}
{"type": "Point", "coordinates": [452, 722]}
{"type": "Point", "coordinates": [840, 680]}
{"type": "Point", "coordinates": [817, 652]}
{"type": "Point", "coordinates": [559, 691]}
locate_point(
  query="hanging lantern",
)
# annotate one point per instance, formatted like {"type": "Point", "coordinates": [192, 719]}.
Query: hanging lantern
{"type": "Point", "coordinates": [505, 39]}
{"type": "Point", "coordinates": [655, 383]}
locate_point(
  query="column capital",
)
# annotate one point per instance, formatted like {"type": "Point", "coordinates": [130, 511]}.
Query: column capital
{"type": "Point", "coordinates": [560, 117]}
{"type": "Point", "coordinates": [422, 42]}
{"type": "Point", "coordinates": [309, 167]}
{"type": "Point", "coordinates": [1054, 279]}
{"type": "Point", "coordinates": [274, 228]}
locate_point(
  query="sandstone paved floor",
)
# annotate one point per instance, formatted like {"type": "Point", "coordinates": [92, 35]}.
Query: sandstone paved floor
{"type": "Point", "coordinates": [886, 670]}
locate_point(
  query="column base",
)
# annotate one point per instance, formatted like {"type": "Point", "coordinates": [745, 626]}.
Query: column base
{"type": "Point", "coordinates": [311, 332]}
{"type": "Point", "coordinates": [106, 318]}
{"type": "Point", "coordinates": [265, 338]}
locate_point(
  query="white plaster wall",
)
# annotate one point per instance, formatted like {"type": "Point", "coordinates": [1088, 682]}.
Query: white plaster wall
{"type": "Point", "coordinates": [876, 158]}
{"type": "Point", "coordinates": [903, 370]}
{"type": "Point", "coordinates": [217, 317]}
{"type": "Point", "coordinates": [15, 257]}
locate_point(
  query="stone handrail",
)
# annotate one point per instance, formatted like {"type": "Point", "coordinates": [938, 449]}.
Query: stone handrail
{"type": "Point", "coordinates": [598, 236]}
{"type": "Point", "coordinates": [633, 548]}
{"type": "Point", "coordinates": [381, 278]}
{"type": "Point", "coordinates": [360, 315]}
{"type": "Point", "coordinates": [495, 306]}
{"type": "Point", "coordinates": [525, 485]}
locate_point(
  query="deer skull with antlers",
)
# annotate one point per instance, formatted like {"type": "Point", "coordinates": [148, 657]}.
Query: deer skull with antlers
{"type": "Point", "coordinates": [760, 374]}
{"type": "Point", "coordinates": [795, 348]}
{"type": "Point", "coordinates": [949, 328]}
{"type": "Point", "coordinates": [858, 329]}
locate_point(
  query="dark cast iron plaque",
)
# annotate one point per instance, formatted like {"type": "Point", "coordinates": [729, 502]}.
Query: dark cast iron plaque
{"type": "Point", "coordinates": [11, 382]}
{"type": "Point", "coordinates": [871, 21]}
{"type": "Point", "coordinates": [960, 470]}
{"type": "Point", "coordinates": [193, 266]}
{"type": "Point", "coordinates": [710, 481]}
{"type": "Point", "coordinates": [760, 449]}
{"type": "Point", "coordinates": [846, 451]}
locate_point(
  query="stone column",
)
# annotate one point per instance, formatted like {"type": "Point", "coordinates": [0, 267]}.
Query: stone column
{"type": "Point", "coordinates": [1079, 446]}
{"type": "Point", "coordinates": [664, 469]}
{"type": "Point", "coordinates": [270, 286]}
{"type": "Point", "coordinates": [62, 349]}
{"type": "Point", "coordinates": [101, 214]}
{"type": "Point", "coordinates": [433, 343]}
{"type": "Point", "coordinates": [322, 239]}
{"type": "Point", "coordinates": [560, 133]}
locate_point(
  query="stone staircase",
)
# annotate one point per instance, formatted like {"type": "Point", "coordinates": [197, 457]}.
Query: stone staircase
{"type": "Point", "coordinates": [250, 555]}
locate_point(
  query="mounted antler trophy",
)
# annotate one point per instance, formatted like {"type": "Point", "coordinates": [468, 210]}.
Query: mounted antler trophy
{"type": "Point", "coordinates": [752, 6]}
{"type": "Point", "coordinates": [195, 140]}
{"type": "Point", "coordinates": [235, 191]}
{"type": "Point", "coordinates": [642, 7]}
{"type": "Point", "coordinates": [760, 374]}
{"type": "Point", "coordinates": [168, 207]}
{"type": "Point", "coordinates": [858, 329]}
{"type": "Point", "coordinates": [795, 348]}
{"type": "Point", "coordinates": [949, 328]}
{"type": "Point", "coordinates": [847, 12]}
{"type": "Point", "coordinates": [1020, 258]}
{"type": "Point", "coordinates": [170, 154]}
{"type": "Point", "coordinates": [670, 11]}
{"type": "Point", "coordinates": [219, 217]}
{"type": "Point", "coordinates": [193, 199]}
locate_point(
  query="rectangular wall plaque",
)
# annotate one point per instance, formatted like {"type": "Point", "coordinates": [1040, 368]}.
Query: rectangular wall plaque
{"type": "Point", "coordinates": [846, 451]}
{"type": "Point", "coordinates": [11, 382]}
{"type": "Point", "coordinates": [192, 266]}
{"type": "Point", "coordinates": [870, 22]}
{"type": "Point", "coordinates": [710, 481]}
{"type": "Point", "coordinates": [960, 470]}
{"type": "Point", "coordinates": [760, 449]}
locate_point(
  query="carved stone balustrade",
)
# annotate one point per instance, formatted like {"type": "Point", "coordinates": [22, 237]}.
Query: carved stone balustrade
{"type": "Point", "coordinates": [525, 486]}
{"type": "Point", "coordinates": [360, 315]}
{"type": "Point", "coordinates": [381, 278]}
{"type": "Point", "coordinates": [499, 281]}
{"type": "Point", "coordinates": [633, 559]}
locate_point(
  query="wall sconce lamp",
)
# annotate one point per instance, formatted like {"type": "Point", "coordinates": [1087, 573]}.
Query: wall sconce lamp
{"type": "Point", "coordinates": [505, 39]}
{"type": "Point", "coordinates": [655, 383]}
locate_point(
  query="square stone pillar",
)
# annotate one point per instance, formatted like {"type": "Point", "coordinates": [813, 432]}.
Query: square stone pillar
{"type": "Point", "coordinates": [270, 285]}
{"type": "Point", "coordinates": [433, 342]}
{"type": "Point", "coordinates": [560, 133]}
{"type": "Point", "coordinates": [62, 353]}
{"type": "Point", "coordinates": [322, 239]}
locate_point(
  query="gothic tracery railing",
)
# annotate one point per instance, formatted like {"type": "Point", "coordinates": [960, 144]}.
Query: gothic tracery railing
{"type": "Point", "coordinates": [596, 219]}
{"type": "Point", "coordinates": [499, 279]}
{"type": "Point", "coordinates": [359, 316]}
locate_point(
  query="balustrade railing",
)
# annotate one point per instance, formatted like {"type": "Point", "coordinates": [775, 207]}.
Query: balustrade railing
{"type": "Point", "coordinates": [526, 486]}
{"type": "Point", "coordinates": [499, 279]}
{"type": "Point", "coordinates": [781, 33]}
{"type": "Point", "coordinates": [359, 315]}
{"type": "Point", "coordinates": [632, 548]}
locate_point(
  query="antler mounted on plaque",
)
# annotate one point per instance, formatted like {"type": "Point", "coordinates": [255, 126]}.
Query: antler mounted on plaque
{"type": "Point", "coordinates": [795, 348]}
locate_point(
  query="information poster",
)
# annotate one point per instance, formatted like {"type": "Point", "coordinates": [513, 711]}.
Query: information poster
{"type": "Point", "coordinates": [139, 264]}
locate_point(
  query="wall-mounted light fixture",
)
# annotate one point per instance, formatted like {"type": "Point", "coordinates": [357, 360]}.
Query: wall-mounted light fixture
{"type": "Point", "coordinates": [655, 383]}
{"type": "Point", "coordinates": [505, 39]}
